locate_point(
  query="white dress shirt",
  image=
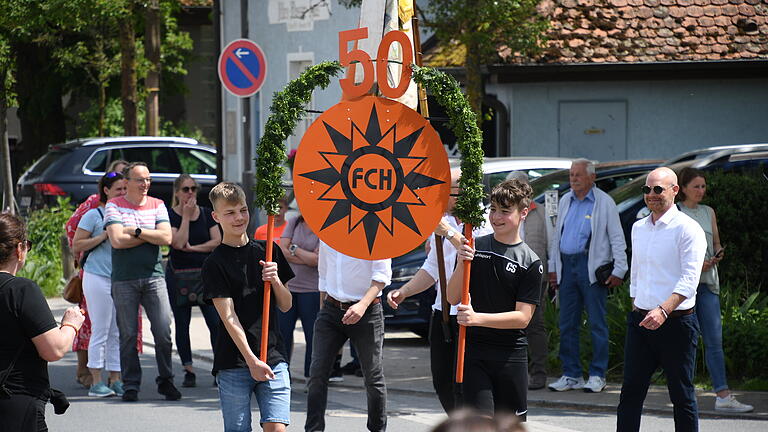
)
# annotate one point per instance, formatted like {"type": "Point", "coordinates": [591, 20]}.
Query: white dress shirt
{"type": "Point", "coordinates": [449, 256]}
{"type": "Point", "coordinates": [346, 278]}
{"type": "Point", "coordinates": [666, 258]}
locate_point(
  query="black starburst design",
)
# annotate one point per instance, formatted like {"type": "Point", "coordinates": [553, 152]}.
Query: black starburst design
{"type": "Point", "coordinates": [356, 209]}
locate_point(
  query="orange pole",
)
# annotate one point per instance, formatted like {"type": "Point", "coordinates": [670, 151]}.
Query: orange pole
{"type": "Point", "coordinates": [267, 292]}
{"type": "Point", "coordinates": [464, 300]}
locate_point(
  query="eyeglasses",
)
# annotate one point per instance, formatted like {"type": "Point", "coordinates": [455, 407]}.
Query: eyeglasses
{"type": "Point", "coordinates": [142, 180]}
{"type": "Point", "coordinates": [656, 189]}
{"type": "Point", "coordinates": [187, 189]}
{"type": "Point", "coordinates": [27, 244]}
{"type": "Point", "coordinates": [112, 174]}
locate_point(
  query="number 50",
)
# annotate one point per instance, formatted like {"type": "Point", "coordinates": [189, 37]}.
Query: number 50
{"type": "Point", "coordinates": [348, 86]}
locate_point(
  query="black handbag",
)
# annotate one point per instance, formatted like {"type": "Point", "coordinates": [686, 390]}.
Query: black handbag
{"type": "Point", "coordinates": [605, 271]}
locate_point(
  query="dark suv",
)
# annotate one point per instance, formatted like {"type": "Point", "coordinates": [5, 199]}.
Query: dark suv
{"type": "Point", "coordinates": [73, 168]}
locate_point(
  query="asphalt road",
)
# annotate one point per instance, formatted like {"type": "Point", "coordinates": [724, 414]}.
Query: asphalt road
{"type": "Point", "coordinates": [198, 410]}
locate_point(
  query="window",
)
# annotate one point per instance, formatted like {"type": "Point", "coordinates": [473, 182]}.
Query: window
{"type": "Point", "coordinates": [196, 161]}
{"type": "Point", "coordinates": [98, 161]}
{"type": "Point", "coordinates": [158, 159]}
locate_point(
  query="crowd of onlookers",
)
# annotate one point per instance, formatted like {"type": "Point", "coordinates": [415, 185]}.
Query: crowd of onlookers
{"type": "Point", "coordinates": [117, 235]}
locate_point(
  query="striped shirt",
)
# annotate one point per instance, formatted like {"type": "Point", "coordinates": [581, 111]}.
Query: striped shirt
{"type": "Point", "coordinates": [145, 260]}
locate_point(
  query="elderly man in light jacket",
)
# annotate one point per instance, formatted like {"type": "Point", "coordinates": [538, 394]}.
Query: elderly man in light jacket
{"type": "Point", "coordinates": [587, 236]}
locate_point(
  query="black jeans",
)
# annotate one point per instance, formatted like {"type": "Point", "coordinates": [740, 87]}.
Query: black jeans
{"type": "Point", "coordinates": [673, 347]}
{"type": "Point", "coordinates": [442, 356]}
{"type": "Point", "coordinates": [367, 336]}
{"type": "Point", "coordinates": [22, 413]}
{"type": "Point", "coordinates": [497, 381]}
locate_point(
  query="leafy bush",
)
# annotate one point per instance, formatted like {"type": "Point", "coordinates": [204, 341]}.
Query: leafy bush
{"type": "Point", "coordinates": [739, 203]}
{"type": "Point", "coordinates": [43, 265]}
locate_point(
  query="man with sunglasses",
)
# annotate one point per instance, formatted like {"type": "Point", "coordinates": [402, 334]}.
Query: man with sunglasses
{"type": "Point", "coordinates": [588, 236]}
{"type": "Point", "coordinates": [137, 225]}
{"type": "Point", "coordinates": [668, 249]}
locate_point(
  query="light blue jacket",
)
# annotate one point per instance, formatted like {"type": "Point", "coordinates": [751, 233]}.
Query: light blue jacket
{"type": "Point", "coordinates": [607, 241]}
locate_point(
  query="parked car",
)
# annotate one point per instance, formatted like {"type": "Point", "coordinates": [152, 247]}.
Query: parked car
{"type": "Point", "coordinates": [609, 176]}
{"type": "Point", "coordinates": [708, 151]}
{"type": "Point", "coordinates": [414, 313]}
{"type": "Point", "coordinates": [629, 198]}
{"type": "Point", "coordinates": [73, 168]}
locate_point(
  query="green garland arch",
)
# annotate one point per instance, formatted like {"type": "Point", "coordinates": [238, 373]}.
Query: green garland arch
{"type": "Point", "coordinates": [463, 122]}
{"type": "Point", "coordinates": [288, 107]}
{"type": "Point", "coordinates": [286, 110]}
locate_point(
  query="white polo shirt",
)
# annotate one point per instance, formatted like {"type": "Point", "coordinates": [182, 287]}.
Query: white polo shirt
{"type": "Point", "coordinates": [667, 258]}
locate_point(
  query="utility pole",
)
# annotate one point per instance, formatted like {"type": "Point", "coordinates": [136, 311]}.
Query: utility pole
{"type": "Point", "coordinates": [152, 82]}
{"type": "Point", "coordinates": [246, 112]}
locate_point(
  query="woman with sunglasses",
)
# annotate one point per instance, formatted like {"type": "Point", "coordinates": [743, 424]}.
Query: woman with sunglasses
{"type": "Point", "coordinates": [31, 336]}
{"type": "Point", "coordinates": [195, 235]}
{"type": "Point", "coordinates": [693, 186]}
{"type": "Point", "coordinates": [91, 240]}
{"type": "Point", "coordinates": [83, 338]}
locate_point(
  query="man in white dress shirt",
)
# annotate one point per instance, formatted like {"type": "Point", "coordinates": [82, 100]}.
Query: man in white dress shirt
{"type": "Point", "coordinates": [668, 250]}
{"type": "Point", "coordinates": [350, 289]}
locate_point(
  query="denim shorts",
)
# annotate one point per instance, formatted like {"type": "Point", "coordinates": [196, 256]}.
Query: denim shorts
{"type": "Point", "coordinates": [235, 389]}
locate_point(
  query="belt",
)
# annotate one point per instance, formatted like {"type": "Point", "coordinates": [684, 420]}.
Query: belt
{"type": "Point", "coordinates": [345, 305]}
{"type": "Point", "coordinates": [674, 314]}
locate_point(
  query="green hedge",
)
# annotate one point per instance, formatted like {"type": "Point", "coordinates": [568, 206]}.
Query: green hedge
{"type": "Point", "coordinates": [44, 229]}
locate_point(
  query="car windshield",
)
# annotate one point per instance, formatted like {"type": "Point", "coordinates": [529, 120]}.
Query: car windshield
{"type": "Point", "coordinates": [45, 162]}
{"type": "Point", "coordinates": [549, 181]}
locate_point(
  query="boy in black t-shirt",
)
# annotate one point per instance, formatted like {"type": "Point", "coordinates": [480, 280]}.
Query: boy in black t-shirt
{"type": "Point", "coordinates": [504, 288]}
{"type": "Point", "coordinates": [234, 276]}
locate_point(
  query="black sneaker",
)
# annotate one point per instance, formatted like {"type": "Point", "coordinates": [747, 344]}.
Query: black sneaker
{"type": "Point", "coordinates": [350, 368]}
{"type": "Point", "coordinates": [190, 380]}
{"type": "Point", "coordinates": [336, 375]}
{"type": "Point", "coordinates": [167, 389]}
{"type": "Point", "coordinates": [130, 396]}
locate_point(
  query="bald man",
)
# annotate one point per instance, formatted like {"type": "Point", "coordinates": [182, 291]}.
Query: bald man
{"type": "Point", "coordinates": [668, 250]}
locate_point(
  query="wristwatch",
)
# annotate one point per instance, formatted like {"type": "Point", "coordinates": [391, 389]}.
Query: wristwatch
{"type": "Point", "coordinates": [137, 233]}
{"type": "Point", "coordinates": [292, 249]}
{"type": "Point", "coordinates": [449, 234]}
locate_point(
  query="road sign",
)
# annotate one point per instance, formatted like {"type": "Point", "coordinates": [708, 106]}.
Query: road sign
{"type": "Point", "coordinates": [371, 178]}
{"type": "Point", "coordinates": [242, 67]}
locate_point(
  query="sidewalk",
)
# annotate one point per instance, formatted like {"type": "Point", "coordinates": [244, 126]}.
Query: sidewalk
{"type": "Point", "coordinates": [406, 367]}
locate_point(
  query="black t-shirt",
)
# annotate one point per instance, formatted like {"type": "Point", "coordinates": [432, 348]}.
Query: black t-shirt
{"type": "Point", "coordinates": [24, 314]}
{"type": "Point", "coordinates": [199, 233]}
{"type": "Point", "coordinates": [501, 276]}
{"type": "Point", "coordinates": [235, 272]}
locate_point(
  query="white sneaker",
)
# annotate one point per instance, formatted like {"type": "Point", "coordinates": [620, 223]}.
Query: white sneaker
{"type": "Point", "coordinates": [566, 383]}
{"type": "Point", "coordinates": [730, 404]}
{"type": "Point", "coordinates": [595, 384]}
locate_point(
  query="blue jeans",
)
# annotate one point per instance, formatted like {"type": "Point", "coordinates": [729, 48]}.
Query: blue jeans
{"type": "Point", "coordinates": [305, 307]}
{"type": "Point", "coordinates": [182, 316]}
{"type": "Point", "coordinates": [152, 294]}
{"type": "Point", "coordinates": [577, 294]}
{"type": "Point", "coordinates": [673, 347]}
{"type": "Point", "coordinates": [708, 311]}
{"type": "Point", "coordinates": [235, 389]}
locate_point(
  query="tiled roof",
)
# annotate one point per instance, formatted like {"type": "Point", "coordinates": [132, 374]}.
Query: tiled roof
{"type": "Point", "coordinates": [594, 31]}
{"type": "Point", "coordinates": [631, 31]}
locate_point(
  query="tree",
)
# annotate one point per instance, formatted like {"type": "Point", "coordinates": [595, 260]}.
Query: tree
{"type": "Point", "coordinates": [6, 201]}
{"type": "Point", "coordinates": [483, 28]}
{"type": "Point", "coordinates": [128, 66]}
{"type": "Point", "coordinates": [152, 52]}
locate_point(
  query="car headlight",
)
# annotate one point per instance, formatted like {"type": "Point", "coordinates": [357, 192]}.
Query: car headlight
{"type": "Point", "coordinates": [404, 274]}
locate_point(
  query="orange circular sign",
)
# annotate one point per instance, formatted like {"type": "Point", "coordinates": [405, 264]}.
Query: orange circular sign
{"type": "Point", "coordinates": [371, 178]}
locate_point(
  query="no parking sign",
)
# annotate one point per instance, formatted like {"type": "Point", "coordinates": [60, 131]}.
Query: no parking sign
{"type": "Point", "coordinates": [242, 67]}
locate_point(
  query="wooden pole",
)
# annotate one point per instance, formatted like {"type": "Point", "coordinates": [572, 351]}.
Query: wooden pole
{"type": "Point", "coordinates": [267, 291]}
{"type": "Point", "coordinates": [464, 300]}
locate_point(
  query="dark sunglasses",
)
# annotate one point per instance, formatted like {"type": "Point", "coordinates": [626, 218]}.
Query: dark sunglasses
{"type": "Point", "coordinates": [656, 189]}
{"type": "Point", "coordinates": [27, 244]}
{"type": "Point", "coordinates": [187, 189]}
{"type": "Point", "coordinates": [112, 174]}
